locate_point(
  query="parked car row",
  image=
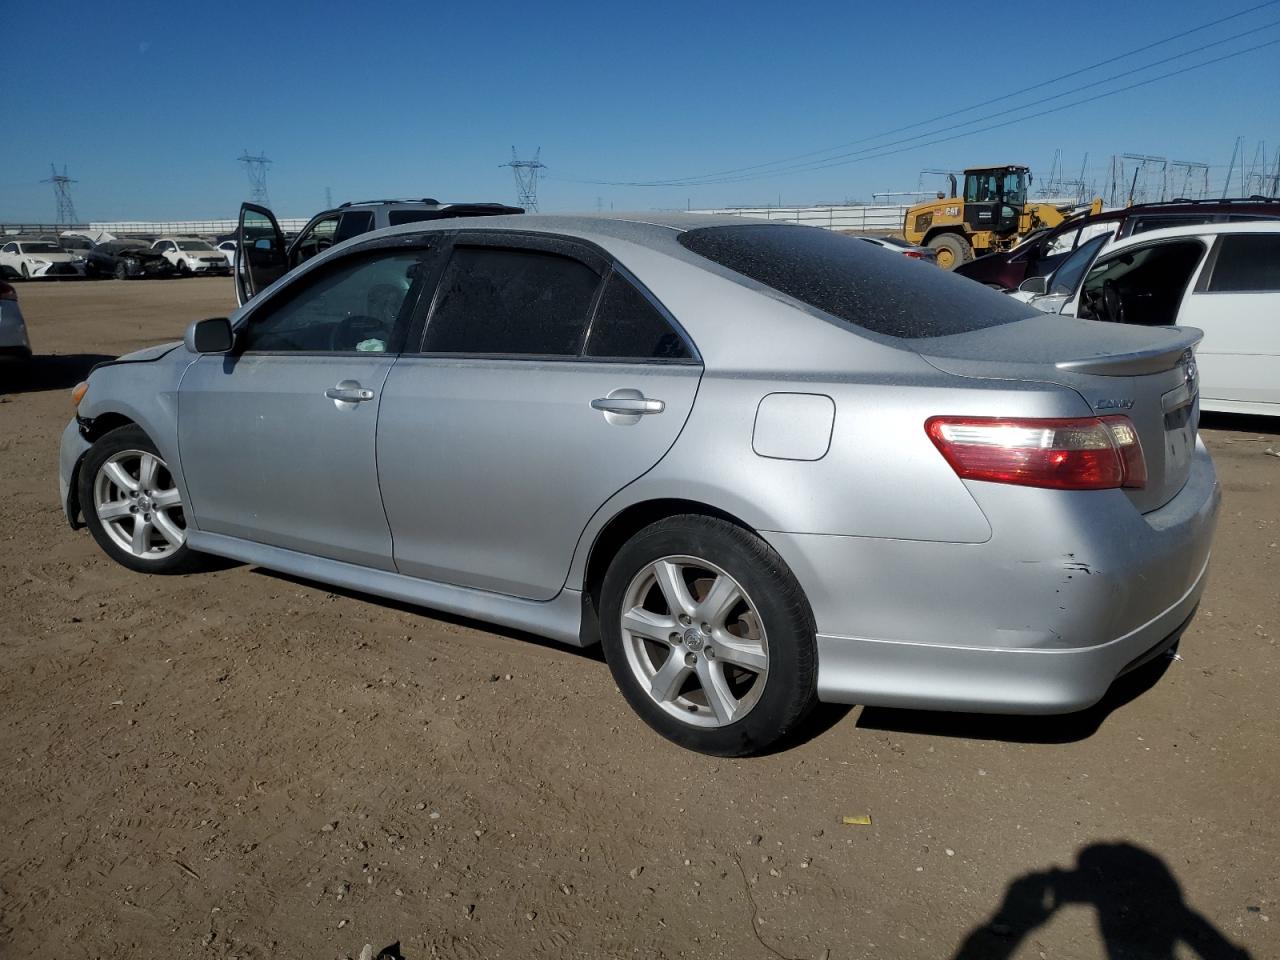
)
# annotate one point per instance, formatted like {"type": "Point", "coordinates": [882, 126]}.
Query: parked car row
{"type": "Point", "coordinates": [1040, 252]}
{"type": "Point", "coordinates": [71, 256]}
{"type": "Point", "coordinates": [1222, 278]}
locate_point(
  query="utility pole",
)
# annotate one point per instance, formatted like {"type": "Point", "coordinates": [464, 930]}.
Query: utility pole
{"type": "Point", "coordinates": [62, 193]}
{"type": "Point", "coordinates": [1226, 187]}
{"type": "Point", "coordinates": [256, 168]}
{"type": "Point", "coordinates": [526, 173]}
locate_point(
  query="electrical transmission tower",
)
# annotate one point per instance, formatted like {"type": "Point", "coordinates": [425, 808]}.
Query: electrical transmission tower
{"type": "Point", "coordinates": [62, 192]}
{"type": "Point", "coordinates": [256, 168]}
{"type": "Point", "coordinates": [526, 174]}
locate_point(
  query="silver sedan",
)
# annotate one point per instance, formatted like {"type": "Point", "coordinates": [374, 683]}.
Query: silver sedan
{"type": "Point", "coordinates": [763, 464]}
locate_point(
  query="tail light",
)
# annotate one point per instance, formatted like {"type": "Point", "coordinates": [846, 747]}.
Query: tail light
{"type": "Point", "coordinates": [7, 292]}
{"type": "Point", "coordinates": [913, 254]}
{"type": "Point", "coordinates": [1090, 453]}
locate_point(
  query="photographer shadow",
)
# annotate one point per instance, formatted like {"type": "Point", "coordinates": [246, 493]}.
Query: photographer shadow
{"type": "Point", "coordinates": [1140, 907]}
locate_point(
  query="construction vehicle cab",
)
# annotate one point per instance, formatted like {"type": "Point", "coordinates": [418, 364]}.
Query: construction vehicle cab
{"type": "Point", "coordinates": [992, 213]}
{"type": "Point", "coordinates": [994, 198]}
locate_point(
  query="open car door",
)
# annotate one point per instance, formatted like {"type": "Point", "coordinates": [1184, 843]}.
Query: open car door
{"type": "Point", "coordinates": [260, 252]}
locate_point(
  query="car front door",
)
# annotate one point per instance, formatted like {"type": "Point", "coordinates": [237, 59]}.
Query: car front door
{"type": "Point", "coordinates": [547, 379]}
{"type": "Point", "coordinates": [260, 251]}
{"type": "Point", "coordinates": [277, 436]}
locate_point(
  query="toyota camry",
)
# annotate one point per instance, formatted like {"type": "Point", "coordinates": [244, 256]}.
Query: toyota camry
{"type": "Point", "coordinates": [764, 465]}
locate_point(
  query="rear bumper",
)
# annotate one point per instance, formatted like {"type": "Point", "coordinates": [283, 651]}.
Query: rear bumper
{"type": "Point", "coordinates": [1041, 618]}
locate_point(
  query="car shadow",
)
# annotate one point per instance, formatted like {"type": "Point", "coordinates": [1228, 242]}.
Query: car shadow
{"type": "Point", "coordinates": [1240, 422]}
{"type": "Point", "coordinates": [1060, 728]}
{"type": "Point", "coordinates": [1141, 909]}
{"type": "Point", "coordinates": [47, 372]}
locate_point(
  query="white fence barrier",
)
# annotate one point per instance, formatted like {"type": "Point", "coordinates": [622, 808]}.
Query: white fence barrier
{"type": "Point", "coordinates": [885, 218]}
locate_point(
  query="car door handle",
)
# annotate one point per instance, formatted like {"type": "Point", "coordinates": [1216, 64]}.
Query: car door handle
{"type": "Point", "coordinates": [349, 392]}
{"type": "Point", "coordinates": [633, 406]}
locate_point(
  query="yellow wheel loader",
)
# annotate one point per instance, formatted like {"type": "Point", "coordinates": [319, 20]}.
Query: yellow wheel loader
{"type": "Point", "coordinates": [992, 214]}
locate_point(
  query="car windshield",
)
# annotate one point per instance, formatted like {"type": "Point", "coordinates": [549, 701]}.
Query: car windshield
{"type": "Point", "coordinates": [843, 278]}
{"type": "Point", "coordinates": [1068, 274]}
{"type": "Point", "coordinates": [193, 245]}
{"type": "Point", "coordinates": [40, 248]}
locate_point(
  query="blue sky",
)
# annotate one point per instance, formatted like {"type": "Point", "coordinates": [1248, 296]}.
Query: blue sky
{"type": "Point", "coordinates": [149, 104]}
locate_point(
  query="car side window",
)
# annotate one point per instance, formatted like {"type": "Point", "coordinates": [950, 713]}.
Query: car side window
{"type": "Point", "coordinates": [9, 248]}
{"type": "Point", "coordinates": [318, 239]}
{"type": "Point", "coordinates": [496, 300]}
{"type": "Point", "coordinates": [627, 326]}
{"type": "Point", "coordinates": [1064, 242]}
{"type": "Point", "coordinates": [1143, 285]}
{"type": "Point", "coordinates": [354, 306]}
{"type": "Point", "coordinates": [1247, 263]}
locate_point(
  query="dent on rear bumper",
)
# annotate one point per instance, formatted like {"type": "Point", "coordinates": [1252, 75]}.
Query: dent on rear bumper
{"type": "Point", "coordinates": [70, 451]}
{"type": "Point", "coordinates": [1041, 619]}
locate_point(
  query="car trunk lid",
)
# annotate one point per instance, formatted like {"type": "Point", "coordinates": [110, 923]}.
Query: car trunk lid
{"type": "Point", "coordinates": [1145, 373]}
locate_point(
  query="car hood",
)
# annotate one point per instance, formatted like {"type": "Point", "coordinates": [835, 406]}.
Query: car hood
{"type": "Point", "coordinates": [138, 253]}
{"type": "Point", "coordinates": [149, 353]}
{"type": "Point", "coordinates": [61, 257]}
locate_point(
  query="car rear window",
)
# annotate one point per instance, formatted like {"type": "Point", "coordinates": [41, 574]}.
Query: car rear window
{"type": "Point", "coordinates": [892, 296]}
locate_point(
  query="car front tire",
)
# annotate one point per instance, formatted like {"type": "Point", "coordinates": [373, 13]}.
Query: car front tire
{"type": "Point", "coordinates": [709, 636]}
{"type": "Point", "coordinates": [132, 505]}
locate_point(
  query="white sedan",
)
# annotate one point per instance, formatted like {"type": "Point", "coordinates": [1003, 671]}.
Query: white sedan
{"type": "Point", "coordinates": [191, 256]}
{"type": "Point", "coordinates": [38, 258]}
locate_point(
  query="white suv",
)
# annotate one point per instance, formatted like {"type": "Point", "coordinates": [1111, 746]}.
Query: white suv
{"type": "Point", "coordinates": [191, 256]}
{"type": "Point", "coordinates": [1223, 278]}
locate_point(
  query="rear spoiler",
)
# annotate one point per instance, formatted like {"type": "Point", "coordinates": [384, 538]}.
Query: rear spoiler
{"type": "Point", "coordinates": [1138, 362]}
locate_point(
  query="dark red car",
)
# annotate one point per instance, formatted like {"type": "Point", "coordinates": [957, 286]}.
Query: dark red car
{"type": "Point", "coordinates": [1040, 253]}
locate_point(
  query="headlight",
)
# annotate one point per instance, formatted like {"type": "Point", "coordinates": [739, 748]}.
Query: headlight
{"type": "Point", "coordinates": [39, 263]}
{"type": "Point", "coordinates": [78, 259]}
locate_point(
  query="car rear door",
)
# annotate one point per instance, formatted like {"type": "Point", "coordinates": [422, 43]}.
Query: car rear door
{"type": "Point", "coordinates": [1236, 302]}
{"type": "Point", "coordinates": [277, 437]}
{"type": "Point", "coordinates": [546, 380]}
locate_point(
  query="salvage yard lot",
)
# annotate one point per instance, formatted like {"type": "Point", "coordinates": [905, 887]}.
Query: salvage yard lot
{"type": "Point", "coordinates": [239, 764]}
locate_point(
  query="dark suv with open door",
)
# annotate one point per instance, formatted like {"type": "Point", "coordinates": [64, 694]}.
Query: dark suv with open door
{"type": "Point", "coordinates": [263, 256]}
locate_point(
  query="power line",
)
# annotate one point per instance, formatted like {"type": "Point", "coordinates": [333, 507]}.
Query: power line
{"type": "Point", "coordinates": [876, 152]}
{"type": "Point", "coordinates": [701, 179]}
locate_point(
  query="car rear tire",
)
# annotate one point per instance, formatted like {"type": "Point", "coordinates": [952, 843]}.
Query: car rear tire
{"type": "Point", "coordinates": [952, 249]}
{"type": "Point", "coordinates": [132, 505]}
{"type": "Point", "coordinates": [709, 636]}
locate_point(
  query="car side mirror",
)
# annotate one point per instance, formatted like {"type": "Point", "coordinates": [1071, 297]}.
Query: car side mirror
{"type": "Point", "coordinates": [1036, 285]}
{"type": "Point", "coordinates": [209, 336]}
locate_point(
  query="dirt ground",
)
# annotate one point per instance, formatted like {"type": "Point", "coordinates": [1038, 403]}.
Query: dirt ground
{"type": "Point", "coordinates": [236, 764]}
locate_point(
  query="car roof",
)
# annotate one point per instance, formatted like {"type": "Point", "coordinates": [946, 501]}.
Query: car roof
{"type": "Point", "coordinates": [649, 228]}
{"type": "Point", "coordinates": [1197, 230]}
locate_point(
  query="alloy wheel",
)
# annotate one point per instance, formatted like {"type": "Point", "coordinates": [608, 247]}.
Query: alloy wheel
{"type": "Point", "coordinates": [137, 501]}
{"type": "Point", "coordinates": [694, 641]}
